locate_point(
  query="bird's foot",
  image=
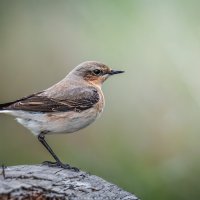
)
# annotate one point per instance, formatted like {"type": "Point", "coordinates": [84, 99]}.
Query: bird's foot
{"type": "Point", "coordinates": [61, 165]}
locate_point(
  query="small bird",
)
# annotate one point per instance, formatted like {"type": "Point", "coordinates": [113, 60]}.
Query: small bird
{"type": "Point", "coordinates": [66, 107]}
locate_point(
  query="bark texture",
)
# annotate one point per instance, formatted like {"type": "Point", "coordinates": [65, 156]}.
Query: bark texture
{"type": "Point", "coordinates": [43, 182]}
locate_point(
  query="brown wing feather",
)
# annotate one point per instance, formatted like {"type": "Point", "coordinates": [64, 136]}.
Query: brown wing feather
{"type": "Point", "coordinates": [78, 99]}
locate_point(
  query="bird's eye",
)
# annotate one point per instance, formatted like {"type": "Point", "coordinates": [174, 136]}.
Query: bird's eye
{"type": "Point", "coordinates": [97, 72]}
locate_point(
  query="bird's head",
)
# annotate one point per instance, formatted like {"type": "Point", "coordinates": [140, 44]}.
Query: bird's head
{"type": "Point", "coordinates": [93, 72]}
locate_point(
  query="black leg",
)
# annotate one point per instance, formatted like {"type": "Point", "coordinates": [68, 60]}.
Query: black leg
{"type": "Point", "coordinates": [58, 163]}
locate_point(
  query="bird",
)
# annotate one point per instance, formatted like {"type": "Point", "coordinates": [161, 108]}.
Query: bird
{"type": "Point", "coordinates": [66, 107]}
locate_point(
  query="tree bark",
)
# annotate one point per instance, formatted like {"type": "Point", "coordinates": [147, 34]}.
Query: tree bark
{"type": "Point", "coordinates": [43, 182]}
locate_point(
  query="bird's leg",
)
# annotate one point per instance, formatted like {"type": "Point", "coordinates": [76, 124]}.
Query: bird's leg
{"type": "Point", "coordinates": [58, 163]}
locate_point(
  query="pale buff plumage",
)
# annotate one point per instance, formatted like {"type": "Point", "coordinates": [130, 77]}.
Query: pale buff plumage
{"type": "Point", "coordinates": [68, 106]}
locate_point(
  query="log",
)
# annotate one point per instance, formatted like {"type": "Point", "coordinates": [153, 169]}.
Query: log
{"type": "Point", "coordinates": [43, 182]}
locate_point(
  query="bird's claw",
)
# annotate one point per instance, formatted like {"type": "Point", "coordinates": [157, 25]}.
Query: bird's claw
{"type": "Point", "coordinates": [61, 165]}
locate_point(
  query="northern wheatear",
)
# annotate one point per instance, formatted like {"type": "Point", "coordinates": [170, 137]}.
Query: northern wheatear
{"type": "Point", "coordinates": [68, 106]}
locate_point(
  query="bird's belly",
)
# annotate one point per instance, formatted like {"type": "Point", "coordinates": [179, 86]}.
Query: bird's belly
{"type": "Point", "coordinates": [53, 122]}
{"type": "Point", "coordinates": [63, 122]}
{"type": "Point", "coordinates": [69, 122]}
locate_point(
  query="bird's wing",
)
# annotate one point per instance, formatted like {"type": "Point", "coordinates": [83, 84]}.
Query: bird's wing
{"type": "Point", "coordinates": [76, 99]}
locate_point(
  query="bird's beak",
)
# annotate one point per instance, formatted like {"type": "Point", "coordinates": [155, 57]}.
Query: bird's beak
{"type": "Point", "coordinates": [112, 72]}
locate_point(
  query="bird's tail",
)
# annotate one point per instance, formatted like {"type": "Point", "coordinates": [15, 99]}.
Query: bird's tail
{"type": "Point", "coordinates": [4, 106]}
{"type": "Point", "coordinates": [1, 107]}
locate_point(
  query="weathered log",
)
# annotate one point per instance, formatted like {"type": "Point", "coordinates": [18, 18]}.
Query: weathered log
{"type": "Point", "coordinates": [43, 182]}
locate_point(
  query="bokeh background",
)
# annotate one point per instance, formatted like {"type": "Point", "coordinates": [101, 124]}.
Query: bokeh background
{"type": "Point", "coordinates": [147, 141]}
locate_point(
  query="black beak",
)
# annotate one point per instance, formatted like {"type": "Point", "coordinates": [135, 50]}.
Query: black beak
{"type": "Point", "coordinates": [112, 72]}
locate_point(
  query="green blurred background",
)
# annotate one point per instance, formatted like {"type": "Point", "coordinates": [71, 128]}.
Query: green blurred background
{"type": "Point", "coordinates": [147, 140]}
